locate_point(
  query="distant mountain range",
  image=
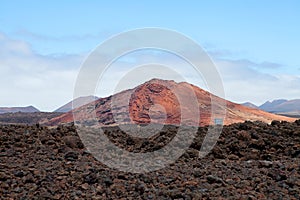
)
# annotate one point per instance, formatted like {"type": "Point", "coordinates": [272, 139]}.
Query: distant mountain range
{"type": "Point", "coordinates": [63, 109]}
{"type": "Point", "coordinates": [76, 103]}
{"type": "Point", "coordinates": [139, 105]}
{"type": "Point", "coordinates": [235, 112]}
{"type": "Point", "coordinates": [279, 106]}
{"type": "Point", "coordinates": [28, 109]}
{"type": "Point", "coordinates": [250, 105]}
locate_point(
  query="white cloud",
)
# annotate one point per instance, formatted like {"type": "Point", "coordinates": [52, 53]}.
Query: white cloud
{"type": "Point", "coordinates": [28, 78]}
{"type": "Point", "coordinates": [47, 82]}
{"type": "Point", "coordinates": [243, 82]}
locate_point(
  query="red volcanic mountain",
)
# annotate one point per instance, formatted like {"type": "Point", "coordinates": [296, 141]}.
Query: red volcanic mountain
{"type": "Point", "coordinates": [164, 102]}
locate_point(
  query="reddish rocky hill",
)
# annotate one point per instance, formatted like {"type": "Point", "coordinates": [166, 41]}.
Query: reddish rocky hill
{"type": "Point", "coordinates": [164, 102]}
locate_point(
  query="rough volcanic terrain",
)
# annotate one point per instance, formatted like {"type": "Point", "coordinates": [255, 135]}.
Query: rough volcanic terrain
{"type": "Point", "coordinates": [164, 102]}
{"type": "Point", "coordinates": [251, 160]}
{"type": "Point", "coordinates": [26, 118]}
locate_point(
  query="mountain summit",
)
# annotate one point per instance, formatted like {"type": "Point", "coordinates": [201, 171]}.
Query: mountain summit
{"type": "Point", "coordinates": [76, 103]}
{"type": "Point", "coordinates": [164, 102]}
{"type": "Point", "coordinates": [280, 106]}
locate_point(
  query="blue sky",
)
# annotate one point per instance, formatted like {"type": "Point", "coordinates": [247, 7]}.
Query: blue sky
{"type": "Point", "coordinates": [258, 40]}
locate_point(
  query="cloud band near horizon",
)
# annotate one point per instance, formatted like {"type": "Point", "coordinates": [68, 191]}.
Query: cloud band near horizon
{"type": "Point", "coordinates": [47, 81]}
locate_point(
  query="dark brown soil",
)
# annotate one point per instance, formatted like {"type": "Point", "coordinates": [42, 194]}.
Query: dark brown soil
{"type": "Point", "coordinates": [251, 160]}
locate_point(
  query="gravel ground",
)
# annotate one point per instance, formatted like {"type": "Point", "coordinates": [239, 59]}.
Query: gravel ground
{"type": "Point", "coordinates": [251, 160]}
